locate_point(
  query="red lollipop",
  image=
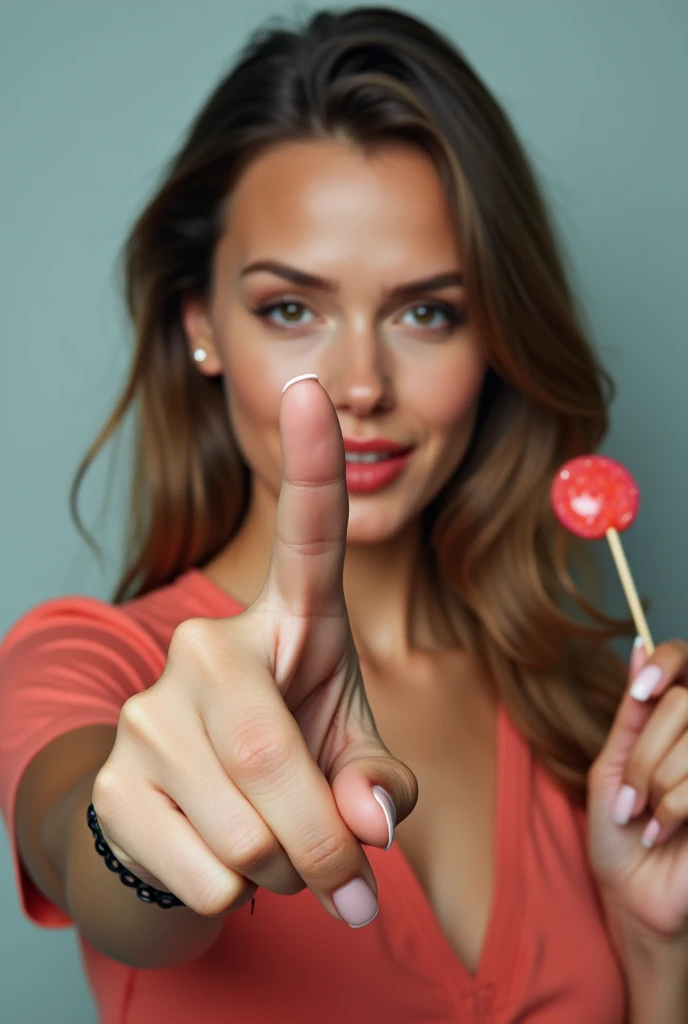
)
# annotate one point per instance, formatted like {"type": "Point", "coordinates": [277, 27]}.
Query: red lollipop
{"type": "Point", "coordinates": [594, 496]}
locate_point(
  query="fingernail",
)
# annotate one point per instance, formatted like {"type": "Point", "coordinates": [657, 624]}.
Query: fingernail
{"type": "Point", "coordinates": [304, 376]}
{"type": "Point", "coordinates": [649, 836]}
{"type": "Point", "coordinates": [646, 682]}
{"type": "Point", "coordinates": [624, 804]}
{"type": "Point", "coordinates": [387, 804]}
{"type": "Point", "coordinates": [638, 642]}
{"type": "Point", "coordinates": [356, 903]}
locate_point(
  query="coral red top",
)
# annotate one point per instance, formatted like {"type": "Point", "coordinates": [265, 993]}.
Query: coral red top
{"type": "Point", "coordinates": [547, 957]}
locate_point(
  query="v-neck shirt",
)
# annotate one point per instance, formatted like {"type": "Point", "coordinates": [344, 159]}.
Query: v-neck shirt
{"type": "Point", "coordinates": [547, 957]}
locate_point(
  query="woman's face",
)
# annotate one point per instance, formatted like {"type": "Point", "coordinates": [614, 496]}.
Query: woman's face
{"type": "Point", "coordinates": [399, 363]}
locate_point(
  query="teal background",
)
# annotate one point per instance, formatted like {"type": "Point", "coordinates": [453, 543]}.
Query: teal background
{"type": "Point", "coordinates": [93, 99]}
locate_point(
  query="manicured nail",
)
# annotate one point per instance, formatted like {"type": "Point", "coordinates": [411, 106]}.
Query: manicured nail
{"type": "Point", "coordinates": [638, 642]}
{"type": "Point", "coordinates": [623, 805]}
{"type": "Point", "coordinates": [386, 803]}
{"type": "Point", "coordinates": [649, 836]}
{"type": "Point", "coordinates": [304, 376]}
{"type": "Point", "coordinates": [356, 903]}
{"type": "Point", "coordinates": [646, 682]}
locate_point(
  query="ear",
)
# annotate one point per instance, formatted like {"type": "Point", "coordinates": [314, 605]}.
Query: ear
{"type": "Point", "coordinates": [200, 335]}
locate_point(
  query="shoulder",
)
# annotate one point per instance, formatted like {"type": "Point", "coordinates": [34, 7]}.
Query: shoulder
{"type": "Point", "coordinates": [143, 626]}
{"type": "Point", "coordinates": [74, 621]}
{"type": "Point", "coordinates": [190, 595]}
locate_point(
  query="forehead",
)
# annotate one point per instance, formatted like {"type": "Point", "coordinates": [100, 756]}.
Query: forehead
{"type": "Point", "coordinates": [326, 202]}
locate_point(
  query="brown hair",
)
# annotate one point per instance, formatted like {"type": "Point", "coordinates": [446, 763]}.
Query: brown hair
{"type": "Point", "coordinates": [375, 75]}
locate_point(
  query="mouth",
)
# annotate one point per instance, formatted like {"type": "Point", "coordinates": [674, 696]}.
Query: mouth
{"type": "Point", "coordinates": [372, 471]}
{"type": "Point", "coordinates": [368, 458]}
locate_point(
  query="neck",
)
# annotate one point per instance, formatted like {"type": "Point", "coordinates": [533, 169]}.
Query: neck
{"type": "Point", "coordinates": [394, 609]}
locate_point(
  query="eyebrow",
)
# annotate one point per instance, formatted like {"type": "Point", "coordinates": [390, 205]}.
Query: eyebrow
{"type": "Point", "coordinates": [300, 277]}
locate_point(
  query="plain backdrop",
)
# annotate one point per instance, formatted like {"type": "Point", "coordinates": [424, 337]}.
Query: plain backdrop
{"type": "Point", "coordinates": [94, 98]}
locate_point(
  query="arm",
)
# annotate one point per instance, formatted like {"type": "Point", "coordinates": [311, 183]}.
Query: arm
{"type": "Point", "coordinates": [58, 849]}
{"type": "Point", "coordinates": [656, 972]}
{"type": "Point", "coordinates": [109, 915]}
{"type": "Point", "coordinates": [658, 992]}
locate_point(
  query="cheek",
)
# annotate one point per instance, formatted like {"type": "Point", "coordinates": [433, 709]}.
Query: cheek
{"type": "Point", "coordinates": [252, 391]}
{"type": "Point", "coordinates": [256, 371]}
{"type": "Point", "coordinates": [447, 394]}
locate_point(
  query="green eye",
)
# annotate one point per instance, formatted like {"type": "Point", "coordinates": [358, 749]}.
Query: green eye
{"type": "Point", "coordinates": [433, 316]}
{"type": "Point", "coordinates": [290, 313]}
{"type": "Point", "coordinates": [426, 316]}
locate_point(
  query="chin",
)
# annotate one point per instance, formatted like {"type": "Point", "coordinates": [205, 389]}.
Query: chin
{"type": "Point", "coordinates": [369, 528]}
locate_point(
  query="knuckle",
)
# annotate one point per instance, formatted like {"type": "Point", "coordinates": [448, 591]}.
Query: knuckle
{"type": "Point", "coordinates": [190, 638]}
{"type": "Point", "coordinates": [113, 793]}
{"type": "Point", "coordinates": [148, 732]}
{"type": "Point", "coordinates": [324, 857]}
{"type": "Point", "coordinates": [211, 889]}
{"type": "Point", "coordinates": [636, 771]}
{"type": "Point", "coordinates": [261, 750]}
{"type": "Point", "coordinates": [210, 897]}
{"type": "Point", "coordinates": [675, 649]}
{"type": "Point", "coordinates": [205, 645]}
{"type": "Point", "coordinates": [676, 698]}
{"type": "Point", "coordinates": [251, 847]}
{"type": "Point", "coordinates": [658, 786]}
{"type": "Point", "coordinates": [671, 807]}
{"type": "Point", "coordinates": [656, 790]}
{"type": "Point", "coordinates": [104, 792]}
{"type": "Point", "coordinates": [134, 716]}
{"type": "Point", "coordinates": [308, 547]}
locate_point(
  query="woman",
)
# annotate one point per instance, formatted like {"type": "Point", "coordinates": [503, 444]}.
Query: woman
{"type": "Point", "coordinates": [347, 605]}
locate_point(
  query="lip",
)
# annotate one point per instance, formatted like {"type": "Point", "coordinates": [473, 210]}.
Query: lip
{"type": "Point", "coordinates": [364, 477]}
{"type": "Point", "coordinates": [375, 444]}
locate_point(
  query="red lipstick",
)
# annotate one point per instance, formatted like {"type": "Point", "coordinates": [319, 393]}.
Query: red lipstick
{"type": "Point", "coordinates": [375, 444]}
{"type": "Point", "coordinates": [375, 473]}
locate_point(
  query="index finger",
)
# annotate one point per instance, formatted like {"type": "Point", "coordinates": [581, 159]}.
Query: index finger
{"type": "Point", "coordinates": [305, 575]}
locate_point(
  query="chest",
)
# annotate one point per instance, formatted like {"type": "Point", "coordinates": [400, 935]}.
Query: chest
{"type": "Point", "coordinates": [449, 740]}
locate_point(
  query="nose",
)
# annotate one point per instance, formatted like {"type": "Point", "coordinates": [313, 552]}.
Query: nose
{"type": "Point", "coordinates": [358, 373]}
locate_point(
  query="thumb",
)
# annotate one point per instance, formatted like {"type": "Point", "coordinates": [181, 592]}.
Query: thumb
{"type": "Point", "coordinates": [629, 721]}
{"type": "Point", "coordinates": [373, 794]}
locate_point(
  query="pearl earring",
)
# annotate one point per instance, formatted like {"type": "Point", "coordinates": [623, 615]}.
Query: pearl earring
{"type": "Point", "coordinates": [200, 355]}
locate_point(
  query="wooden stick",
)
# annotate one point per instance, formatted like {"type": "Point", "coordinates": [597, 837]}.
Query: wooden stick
{"type": "Point", "coordinates": [630, 590]}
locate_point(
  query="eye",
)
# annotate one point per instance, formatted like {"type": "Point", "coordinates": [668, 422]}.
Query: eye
{"type": "Point", "coordinates": [291, 313]}
{"type": "Point", "coordinates": [432, 315]}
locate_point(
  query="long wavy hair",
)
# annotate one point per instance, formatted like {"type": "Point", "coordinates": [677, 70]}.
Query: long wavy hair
{"type": "Point", "coordinates": [374, 76]}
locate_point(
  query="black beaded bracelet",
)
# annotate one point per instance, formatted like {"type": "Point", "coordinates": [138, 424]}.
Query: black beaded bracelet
{"type": "Point", "coordinates": [146, 893]}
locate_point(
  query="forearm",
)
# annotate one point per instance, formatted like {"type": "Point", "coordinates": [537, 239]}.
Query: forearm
{"type": "Point", "coordinates": [109, 915]}
{"type": "Point", "coordinates": [658, 990]}
{"type": "Point", "coordinates": [656, 973]}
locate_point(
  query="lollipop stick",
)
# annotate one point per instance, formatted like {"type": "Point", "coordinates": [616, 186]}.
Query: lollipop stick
{"type": "Point", "coordinates": [630, 590]}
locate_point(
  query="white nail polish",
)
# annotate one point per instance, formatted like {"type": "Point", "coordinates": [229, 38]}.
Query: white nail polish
{"type": "Point", "coordinates": [387, 805]}
{"type": "Point", "coordinates": [638, 642]}
{"type": "Point", "coordinates": [649, 836]}
{"type": "Point", "coordinates": [646, 682]}
{"type": "Point", "coordinates": [624, 804]}
{"type": "Point", "coordinates": [304, 376]}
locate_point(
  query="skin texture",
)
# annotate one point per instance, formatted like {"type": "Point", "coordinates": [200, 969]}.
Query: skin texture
{"type": "Point", "coordinates": [398, 368]}
{"type": "Point", "coordinates": [403, 369]}
{"type": "Point", "coordinates": [369, 224]}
